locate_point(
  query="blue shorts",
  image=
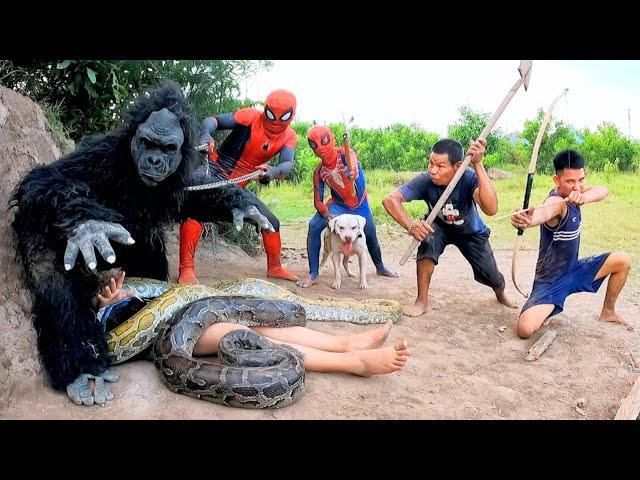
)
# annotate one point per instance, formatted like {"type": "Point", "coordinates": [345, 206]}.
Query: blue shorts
{"type": "Point", "coordinates": [579, 279]}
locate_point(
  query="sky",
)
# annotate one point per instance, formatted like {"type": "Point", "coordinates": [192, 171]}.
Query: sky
{"type": "Point", "coordinates": [429, 93]}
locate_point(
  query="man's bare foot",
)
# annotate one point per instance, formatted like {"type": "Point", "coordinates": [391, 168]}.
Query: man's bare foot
{"type": "Point", "coordinates": [415, 310]}
{"type": "Point", "coordinates": [307, 282]}
{"type": "Point", "coordinates": [612, 316]}
{"type": "Point", "coordinates": [503, 299]}
{"type": "Point", "coordinates": [369, 339]}
{"type": "Point", "coordinates": [379, 361]}
{"type": "Point", "coordinates": [385, 272]}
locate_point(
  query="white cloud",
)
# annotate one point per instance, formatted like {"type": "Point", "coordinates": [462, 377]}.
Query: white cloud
{"type": "Point", "coordinates": [429, 93]}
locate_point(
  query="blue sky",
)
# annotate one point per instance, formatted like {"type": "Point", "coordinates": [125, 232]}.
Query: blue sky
{"type": "Point", "coordinates": [429, 93]}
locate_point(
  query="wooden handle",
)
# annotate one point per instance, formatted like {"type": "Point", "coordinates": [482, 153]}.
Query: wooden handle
{"type": "Point", "coordinates": [465, 163]}
{"type": "Point", "coordinates": [350, 167]}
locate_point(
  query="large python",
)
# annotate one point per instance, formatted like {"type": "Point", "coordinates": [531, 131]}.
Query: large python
{"type": "Point", "coordinates": [141, 330]}
{"type": "Point", "coordinates": [255, 372]}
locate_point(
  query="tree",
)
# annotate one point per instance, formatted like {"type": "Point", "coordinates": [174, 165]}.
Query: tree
{"type": "Point", "coordinates": [557, 137]}
{"type": "Point", "coordinates": [469, 127]}
{"type": "Point", "coordinates": [88, 94]}
{"type": "Point", "coordinates": [608, 149]}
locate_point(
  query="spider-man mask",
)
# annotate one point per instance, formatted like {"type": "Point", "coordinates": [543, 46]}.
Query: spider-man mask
{"type": "Point", "coordinates": [321, 140]}
{"type": "Point", "coordinates": [279, 109]}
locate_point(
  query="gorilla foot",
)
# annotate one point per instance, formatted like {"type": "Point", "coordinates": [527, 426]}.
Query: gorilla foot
{"type": "Point", "coordinates": [88, 389]}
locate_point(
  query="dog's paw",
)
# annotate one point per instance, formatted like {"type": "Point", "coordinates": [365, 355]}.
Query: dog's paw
{"type": "Point", "coordinates": [364, 285]}
{"type": "Point", "coordinates": [336, 285]}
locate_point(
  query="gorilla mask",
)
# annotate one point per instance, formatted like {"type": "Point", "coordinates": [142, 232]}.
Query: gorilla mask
{"type": "Point", "coordinates": [155, 148]}
{"type": "Point", "coordinates": [279, 109]}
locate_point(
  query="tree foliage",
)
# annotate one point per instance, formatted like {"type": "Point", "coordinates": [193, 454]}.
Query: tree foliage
{"type": "Point", "coordinates": [88, 94]}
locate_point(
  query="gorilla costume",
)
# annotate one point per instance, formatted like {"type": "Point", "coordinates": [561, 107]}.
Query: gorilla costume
{"type": "Point", "coordinates": [126, 186]}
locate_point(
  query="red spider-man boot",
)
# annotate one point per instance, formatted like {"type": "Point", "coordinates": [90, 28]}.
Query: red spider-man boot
{"type": "Point", "coordinates": [273, 247]}
{"type": "Point", "coordinates": [190, 233]}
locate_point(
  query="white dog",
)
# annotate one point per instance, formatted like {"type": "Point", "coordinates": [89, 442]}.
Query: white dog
{"type": "Point", "coordinates": [345, 236]}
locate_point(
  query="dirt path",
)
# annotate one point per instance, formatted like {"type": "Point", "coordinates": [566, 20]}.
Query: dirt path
{"type": "Point", "coordinates": [463, 366]}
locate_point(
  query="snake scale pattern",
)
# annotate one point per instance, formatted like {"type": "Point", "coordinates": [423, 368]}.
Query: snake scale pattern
{"type": "Point", "coordinates": [254, 372]}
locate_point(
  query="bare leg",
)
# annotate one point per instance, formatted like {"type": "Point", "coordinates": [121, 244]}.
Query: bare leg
{"type": "Point", "coordinates": [424, 270]}
{"type": "Point", "coordinates": [364, 363]}
{"type": "Point", "coordinates": [617, 266]}
{"type": "Point", "coordinates": [532, 319]}
{"type": "Point", "coordinates": [208, 342]}
{"type": "Point", "coordinates": [372, 338]}
{"type": "Point", "coordinates": [361, 362]}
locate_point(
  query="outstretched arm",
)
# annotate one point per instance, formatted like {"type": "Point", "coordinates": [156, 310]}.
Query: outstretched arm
{"type": "Point", "coordinates": [210, 125]}
{"type": "Point", "coordinates": [590, 194]}
{"type": "Point", "coordinates": [223, 204]}
{"type": "Point", "coordinates": [280, 171]}
{"type": "Point", "coordinates": [51, 199]}
{"type": "Point", "coordinates": [534, 217]}
{"type": "Point", "coordinates": [558, 207]}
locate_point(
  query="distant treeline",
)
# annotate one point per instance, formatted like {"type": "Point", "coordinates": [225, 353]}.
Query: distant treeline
{"type": "Point", "coordinates": [406, 147]}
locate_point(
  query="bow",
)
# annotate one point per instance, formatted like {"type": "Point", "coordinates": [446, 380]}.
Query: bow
{"type": "Point", "coordinates": [527, 192]}
{"type": "Point", "coordinates": [525, 73]}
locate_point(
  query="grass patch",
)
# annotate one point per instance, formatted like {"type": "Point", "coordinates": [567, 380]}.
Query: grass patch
{"type": "Point", "coordinates": [610, 225]}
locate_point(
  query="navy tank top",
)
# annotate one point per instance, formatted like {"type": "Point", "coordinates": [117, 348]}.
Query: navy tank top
{"type": "Point", "coordinates": [559, 246]}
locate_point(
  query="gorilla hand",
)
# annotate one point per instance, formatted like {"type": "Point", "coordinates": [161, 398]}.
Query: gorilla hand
{"type": "Point", "coordinates": [252, 215]}
{"type": "Point", "coordinates": [80, 392]}
{"type": "Point", "coordinates": [95, 233]}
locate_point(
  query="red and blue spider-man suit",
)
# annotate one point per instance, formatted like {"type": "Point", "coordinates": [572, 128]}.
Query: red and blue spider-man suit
{"type": "Point", "coordinates": [254, 139]}
{"type": "Point", "coordinates": [344, 199]}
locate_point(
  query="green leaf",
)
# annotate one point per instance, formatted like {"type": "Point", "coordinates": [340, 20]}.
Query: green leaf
{"type": "Point", "coordinates": [92, 93]}
{"type": "Point", "coordinates": [92, 75]}
{"type": "Point", "coordinates": [64, 64]}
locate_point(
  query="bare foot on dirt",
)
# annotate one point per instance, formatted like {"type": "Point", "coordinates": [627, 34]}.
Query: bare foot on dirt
{"type": "Point", "coordinates": [415, 310]}
{"type": "Point", "coordinates": [503, 299]}
{"type": "Point", "coordinates": [379, 361]}
{"type": "Point", "coordinates": [307, 282]}
{"type": "Point", "coordinates": [385, 272]}
{"type": "Point", "coordinates": [369, 339]}
{"type": "Point", "coordinates": [611, 316]}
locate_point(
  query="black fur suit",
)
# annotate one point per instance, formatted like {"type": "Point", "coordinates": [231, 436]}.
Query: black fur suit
{"type": "Point", "coordinates": [101, 181]}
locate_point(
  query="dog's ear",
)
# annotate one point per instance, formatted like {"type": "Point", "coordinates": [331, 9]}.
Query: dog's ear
{"type": "Point", "coordinates": [361, 221]}
{"type": "Point", "coordinates": [332, 224]}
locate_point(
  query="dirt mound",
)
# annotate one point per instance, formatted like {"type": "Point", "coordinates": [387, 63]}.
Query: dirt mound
{"type": "Point", "coordinates": [27, 141]}
{"type": "Point", "coordinates": [25, 136]}
{"type": "Point", "coordinates": [497, 174]}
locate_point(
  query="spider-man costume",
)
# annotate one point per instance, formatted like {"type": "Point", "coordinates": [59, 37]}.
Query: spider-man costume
{"type": "Point", "coordinates": [254, 139]}
{"type": "Point", "coordinates": [333, 172]}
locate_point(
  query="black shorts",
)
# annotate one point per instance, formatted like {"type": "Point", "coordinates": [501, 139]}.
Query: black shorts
{"type": "Point", "coordinates": [475, 247]}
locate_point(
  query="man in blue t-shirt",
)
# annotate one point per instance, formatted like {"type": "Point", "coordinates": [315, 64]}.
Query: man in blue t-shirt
{"type": "Point", "coordinates": [559, 272]}
{"type": "Point", "coordinates": [458, 223]}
